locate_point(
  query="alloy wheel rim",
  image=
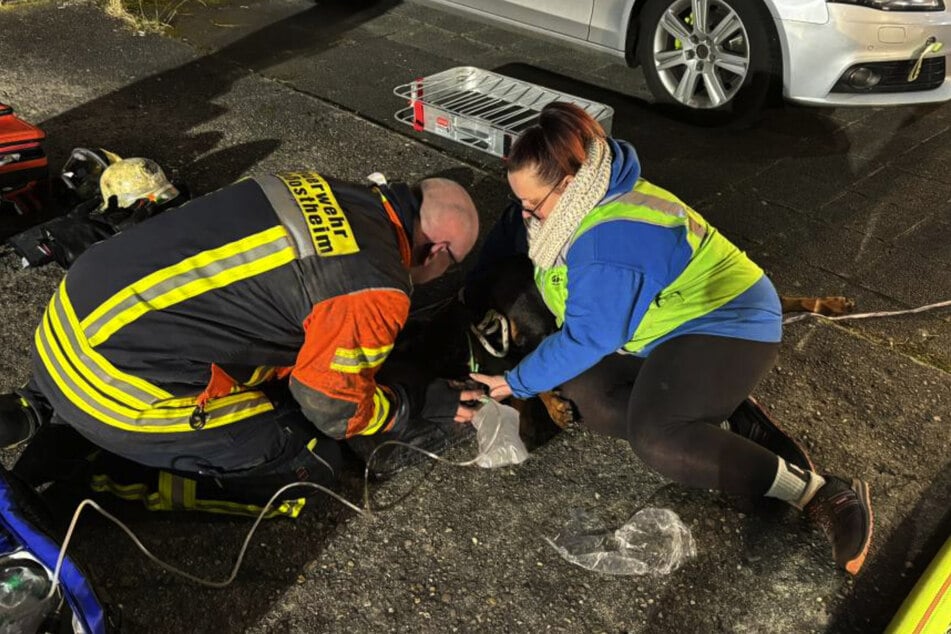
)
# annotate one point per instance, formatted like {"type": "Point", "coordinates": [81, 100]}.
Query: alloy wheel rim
{"type": "Point", "coordinates": [701, 52]}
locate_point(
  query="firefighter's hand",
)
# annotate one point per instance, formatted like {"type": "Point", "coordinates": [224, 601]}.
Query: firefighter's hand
{"type": "Point", "coordinates": [496, 386]}
{"type": "Point", "coordinates": [449, 400]}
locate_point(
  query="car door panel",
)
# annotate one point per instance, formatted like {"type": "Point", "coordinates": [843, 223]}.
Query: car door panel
{"type": "Point", "coordinates": [566, 17]}
{"type": "Point", "coordinates": [609, 20]}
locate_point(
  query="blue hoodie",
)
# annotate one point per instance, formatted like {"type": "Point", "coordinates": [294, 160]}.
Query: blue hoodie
{"type": "Point", "coordinates": [615, 270]}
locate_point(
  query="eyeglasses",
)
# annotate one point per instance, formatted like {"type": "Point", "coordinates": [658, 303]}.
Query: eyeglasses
{"type": "Point", "coordinates": [533, 212]}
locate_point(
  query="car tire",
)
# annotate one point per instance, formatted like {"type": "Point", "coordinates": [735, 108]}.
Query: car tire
{"type": "Point", "coordinates": [723, 70]}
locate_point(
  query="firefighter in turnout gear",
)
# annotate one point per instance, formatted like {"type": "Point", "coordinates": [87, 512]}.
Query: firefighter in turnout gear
{"type": "Point", "coordinates": [223, 348]}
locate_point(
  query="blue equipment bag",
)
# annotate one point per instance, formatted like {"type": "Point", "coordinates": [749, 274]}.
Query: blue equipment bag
{"type": "Point", "coordinates": [27, 560]}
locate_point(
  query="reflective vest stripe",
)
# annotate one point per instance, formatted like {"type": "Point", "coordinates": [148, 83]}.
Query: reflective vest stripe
{"type": "Point", "coordinates": [124, 388]}
{"type": "Point", "coordinates": [101, 483]}
{"type": "Point", "coordinates": [174, 488]}
{"type": "Point", "coordinates": [66, 378]}
{"type": "Point", "coordinates": [716, 273]}
{"type": "Point", "coordinates": [356, 359]}
{"type": "Point", "coordinates": [381, 413]}
{"type": "Point", "coordinates": [674, 214]}
{"type": "Point", "coordinates": [189, 278]}
{"type": "Point", "coordinates": [260, 375]}
{"type": "Point", "coordinates": [652, 209]}
{"type": "Point", "coordinates": [178, 493]}
{"type": "Point", "coordinates": [81, 393]}
{"type": "Point", "coordinates": [96, 388]}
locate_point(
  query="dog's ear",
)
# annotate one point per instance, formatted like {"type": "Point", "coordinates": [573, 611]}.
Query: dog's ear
{"type": "Point", "coordinates": [515, 333]}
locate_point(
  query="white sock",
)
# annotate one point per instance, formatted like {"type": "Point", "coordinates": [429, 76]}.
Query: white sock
{"type": "Point", "coordinates": [794, 485]}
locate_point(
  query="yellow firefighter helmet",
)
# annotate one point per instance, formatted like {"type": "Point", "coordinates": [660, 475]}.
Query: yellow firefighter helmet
{"type": "Point", "coordinates": [134, 179]}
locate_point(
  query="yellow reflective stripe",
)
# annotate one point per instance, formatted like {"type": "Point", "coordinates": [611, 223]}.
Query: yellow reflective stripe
{"type": "Point", "coordinates": [288, 508]}
{"type": "Point", "coordinates": [188, 493]}
{"type": "Point", "coordinates": [70, 384]}
{"type": "Point", "coordinates": [185, 266]}
{"type": "Point", "coordinates": [656, 203]}
{"type": "Point", "coordinates": [259, 375]}
{"type": "Point", "coordinates": [193, 289]}
{"type": "Point", "coordinates": [129, 418]}
{"type": "Point", "coordinates": [101, 483]}
{"type": "Point", "coordinates": [353, 360]}
{"type": "Point", "coordinates": [381, 413]}
{"type": "Point", "coordinates": [207, 264]}
{"type": "Point", "coordinates": [97, 359]}
{"type": "Point", "coordinates": [165, 498]}
{"type": "Point", "coordinates": [166, 490]}
{"type": "Point", "coordinates": [183, 401]}
{"type": "Point", "coordinates": [90, 401]}
{"type": "Point", "coordinates": [357, 353]}
{"type": "Point", "coordinates": [52, 319]}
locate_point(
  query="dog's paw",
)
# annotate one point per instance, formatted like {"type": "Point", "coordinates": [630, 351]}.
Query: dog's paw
{"type": "Point", "coordinates": [561, 410]}
{"type": "Point", "coordinates": [829, 306]}
{"type": "Point", "coordinates": [832, 306]}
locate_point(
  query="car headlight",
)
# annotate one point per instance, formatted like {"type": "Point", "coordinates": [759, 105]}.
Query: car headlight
{"type": "Point", "coordinates": [897, 5]}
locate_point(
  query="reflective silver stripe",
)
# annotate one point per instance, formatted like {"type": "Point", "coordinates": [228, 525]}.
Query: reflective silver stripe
{"type": "Point", "coordinates": [149, 294]}
{"type": "Point", "coordinates": [359, 357]}
{"type": "Point", "coordinates": [665, 206]}
{"type": "Point", "coordinates": [78, 393]}
{"type": "Point", "coordinates": [288, 212]}
{"type": "Point", "coordinates": [75, 386]}
{"type": "Point", "coordinates": [176, 490]}
{"type": "Point", "coordinates": [696, 228]}
{"type": "Point", "coordinates": [124, 391]}
{"type": "Point", "coordinates": [654, 202]}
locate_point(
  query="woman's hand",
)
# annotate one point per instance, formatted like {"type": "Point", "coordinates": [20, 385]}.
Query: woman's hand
{"type": "Point", "coordinates": [497, 385]}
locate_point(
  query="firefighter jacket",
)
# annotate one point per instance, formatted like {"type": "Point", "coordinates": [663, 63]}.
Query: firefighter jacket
{"type": "Point", "coordinates": [175, 324]}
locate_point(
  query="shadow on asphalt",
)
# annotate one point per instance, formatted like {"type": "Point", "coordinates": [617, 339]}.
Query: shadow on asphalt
{"type": "Point", "coordinates": [156, 116]}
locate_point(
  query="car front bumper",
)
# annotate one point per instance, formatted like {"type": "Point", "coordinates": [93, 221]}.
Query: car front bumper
{"type": "Point", "coordinates": [816, 56]}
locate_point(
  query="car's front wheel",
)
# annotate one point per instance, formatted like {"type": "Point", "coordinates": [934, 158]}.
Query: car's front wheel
{"type": "Point", "coordinates": [711, 59]}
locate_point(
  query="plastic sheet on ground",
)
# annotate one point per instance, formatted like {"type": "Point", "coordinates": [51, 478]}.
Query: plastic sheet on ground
{"type": "Point", "coordinates": [654, 541]}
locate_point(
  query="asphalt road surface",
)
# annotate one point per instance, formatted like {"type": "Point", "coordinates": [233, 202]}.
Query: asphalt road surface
{"type": "Point", "coordinates": [851, 202]}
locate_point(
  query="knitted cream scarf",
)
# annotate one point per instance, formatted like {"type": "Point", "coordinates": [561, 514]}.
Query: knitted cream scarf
{"type": "Point", "coordinates": [547, 239]}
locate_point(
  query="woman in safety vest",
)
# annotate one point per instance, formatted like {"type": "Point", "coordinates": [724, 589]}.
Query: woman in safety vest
{"type": "Point", "coordinates": [665, 327]}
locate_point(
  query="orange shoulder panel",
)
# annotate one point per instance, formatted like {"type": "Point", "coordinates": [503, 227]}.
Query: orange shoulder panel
{"type": "Point", "coordinates": [346, 340]}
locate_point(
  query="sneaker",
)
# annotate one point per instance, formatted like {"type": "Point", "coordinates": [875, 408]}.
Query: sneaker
{"type": "Point", "coordinates": [844, 512]}
{"type": "Point", "coordinates": [751, 421]}
{"type": "Point", "coordinates": [17, 421]}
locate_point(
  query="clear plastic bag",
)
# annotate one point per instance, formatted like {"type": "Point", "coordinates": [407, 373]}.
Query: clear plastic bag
{"type": "Point", "coordinates": [497, 432]}
{"type": "Point", "coordinates": [654, 541]}
{"type": "Point", "coordinates": [25, 599]}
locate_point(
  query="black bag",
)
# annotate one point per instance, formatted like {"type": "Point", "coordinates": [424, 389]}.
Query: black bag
{"type": "Point", "coordinates": [65, 238]}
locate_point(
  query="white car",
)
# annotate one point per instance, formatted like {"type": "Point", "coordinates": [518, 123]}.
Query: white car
{"type": "Point", "coordinates": [724, 55]}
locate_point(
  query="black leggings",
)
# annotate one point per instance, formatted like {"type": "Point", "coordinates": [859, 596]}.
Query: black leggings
{"type": "Point", "coordinates": [669, 406]}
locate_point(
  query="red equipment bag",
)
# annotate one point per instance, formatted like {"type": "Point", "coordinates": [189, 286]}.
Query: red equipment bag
{"type": "Point", "coordinates": [22, 159]}
{"type": "Point", "coordinates": [24, 174]}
